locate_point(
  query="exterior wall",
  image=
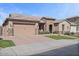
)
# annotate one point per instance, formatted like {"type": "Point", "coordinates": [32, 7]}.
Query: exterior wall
{"type": "Point", "coordinates": [1, 31]}
{"type": "Point", "coordinates": [20, 28]}
{"type": "Point", "coordinates": [10, 29]}
{"type": "Point", "coordinates": [56, 28]}
{"type": "Point", "coordinates": [36, 27]}
{"type": "Point", "coordinates": [73, 29]}
{"type": "Point", "coordinates": [78, 29]}
{"type": "Point", "coordinates": [7, 27]}
{"type": "Point", "coordinates": [66, 27]}
{"type": "Point", "coordinates": [49, 22]}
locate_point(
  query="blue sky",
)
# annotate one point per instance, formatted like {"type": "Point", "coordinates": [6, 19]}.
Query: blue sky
{"type": "Point", "coordinates": [58, 11]}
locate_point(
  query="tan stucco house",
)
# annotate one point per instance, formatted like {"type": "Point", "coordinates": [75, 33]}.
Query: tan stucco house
{"type": "Point", "coordinates": [61, 27]}
{"type": "Point", "coordinates": [24, 25]}
{"type": "Point", "coordinates": [21, 25]}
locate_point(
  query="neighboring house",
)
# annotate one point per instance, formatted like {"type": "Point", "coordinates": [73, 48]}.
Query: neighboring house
{"type": "Point", "coordinates": [74, 21]}
{"type": "Point", "coordinates": [61, 27]}
{"type": "Point", "coordinates": [0, 30]}
{"type": "Point", "coordinates": [21, 25]}
{"type": "Point", "coordinates": [73, 27]}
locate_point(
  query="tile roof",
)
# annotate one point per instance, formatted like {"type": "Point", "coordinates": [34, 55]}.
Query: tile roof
{"type": "Point", "coordinates": [27, 17]}
{"type": "Point", "coordinates": [15, 16]}
{"type": "Point", "coordinates": [23, 17]}
{"type": "Point", "coordinates": [58, 21]}
{"type": "Point", "coordinates": [72, 23]}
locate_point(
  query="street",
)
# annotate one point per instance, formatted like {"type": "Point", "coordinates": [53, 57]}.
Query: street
{"type": "Point", "coordinates": [72, 50]}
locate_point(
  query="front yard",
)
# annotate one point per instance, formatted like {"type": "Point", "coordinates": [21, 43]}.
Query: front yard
{"type": "Point", "coordinates": [75, 36]}
{"type": "Point", "coordinates": [6, 43]}
{"type": "Point", "coordinates": [57, 37]}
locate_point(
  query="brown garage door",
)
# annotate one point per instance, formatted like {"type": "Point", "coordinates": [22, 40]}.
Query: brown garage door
{"type": "Point", "coordinates": [24, 30]}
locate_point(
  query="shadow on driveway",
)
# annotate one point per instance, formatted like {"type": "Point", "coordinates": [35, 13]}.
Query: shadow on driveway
{"type": "Point", "coordinates": [72, 50]}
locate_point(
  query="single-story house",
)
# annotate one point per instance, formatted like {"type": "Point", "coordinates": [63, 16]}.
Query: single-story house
{"type": "Point", "coordinates": [24, 25]}
{"type": "Point", "coordinates": [74, 21]}
{"type": "Point", "coordinates": [61, 27]}
{"type": "Point", "coordinates": [21, 25]}
{"type": "Point", "coordinates": [65, 26]}
{"type": "Point", "coordinates": [73, 27]}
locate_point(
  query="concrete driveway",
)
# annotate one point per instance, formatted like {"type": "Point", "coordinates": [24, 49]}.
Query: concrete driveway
{"type": "Point", "coordinates": [20, 40]}
{"type": "Point", "coordinates": [47, 47]}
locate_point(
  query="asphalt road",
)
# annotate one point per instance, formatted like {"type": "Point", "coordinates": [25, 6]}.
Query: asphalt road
{"type": "Point", "coordinates": [72, 50]}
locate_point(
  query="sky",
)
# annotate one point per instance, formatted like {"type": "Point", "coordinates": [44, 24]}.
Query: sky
{"type": "Point", "coordinates": [55, 10]}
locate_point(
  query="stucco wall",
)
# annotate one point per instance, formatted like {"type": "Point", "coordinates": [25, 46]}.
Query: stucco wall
{"type": "Point", "coordinates": [20, 28]}
{"type": "Point", "coordinates": [56, 28]}
{"type": "Point", "coordinates": [1, 31]}
{"type": "Point", "coordinates": [6, 28]}
{"type": "Point", "coordinates": [78, 28]}
{"type": "Point", "coordinates": [49, 22]}
{"type": "Point", "coordinates": [66, 26]}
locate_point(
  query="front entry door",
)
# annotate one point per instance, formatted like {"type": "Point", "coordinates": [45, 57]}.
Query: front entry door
{"type": "Point", "coordinates": [50, 28]}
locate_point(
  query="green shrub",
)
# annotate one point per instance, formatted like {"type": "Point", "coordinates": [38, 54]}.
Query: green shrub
{"type": "Point", "coordinates": [55, 32]}
{"type": "Point", "coordinates": [1, 38]}
{"type": "Point", "coordinates": [72, 33]}
{"type": "Point", "coordinates": [67, 33]}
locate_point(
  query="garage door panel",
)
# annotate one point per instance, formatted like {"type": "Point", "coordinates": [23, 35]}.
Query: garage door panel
{"type": "Point", "coordinates": [22, 30]}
